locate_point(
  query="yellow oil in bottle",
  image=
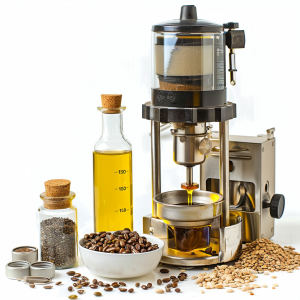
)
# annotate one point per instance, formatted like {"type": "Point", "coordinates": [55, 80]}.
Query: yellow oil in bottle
{"type": "Point", "coordinates": [113, 190]}
{"type": "Point", "coordinates": [190, 197]}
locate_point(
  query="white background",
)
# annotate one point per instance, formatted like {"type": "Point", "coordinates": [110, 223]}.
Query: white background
{"type": "Point", "coordinates": [57, 57]}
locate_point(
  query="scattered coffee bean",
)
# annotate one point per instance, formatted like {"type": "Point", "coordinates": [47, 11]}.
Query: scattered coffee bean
{"type": "Point", "coordinates": [73, 297]}
{"type": "Point", "coordinates": [230, 291]}
{"type": "Point", "coordinates": [183, 274]}
{"type": "Point", "coordinates": [48, 287]}
{"type": "Point", "coordinates": [159, 291]}
{"type": "Point", "coordinates": [97, 294]}
{"type": "Point", "coordinates": [164, 270]}
{"type": "Point", "coordinates": [168, 290]}
{"type": "Point", "coordinates": [149, 285]}
{"type": "Point", "coordinates": [177, 290]}
{"type": "Point", "coordinates": [174, 284]}
{"type": "Point", "coordinates": [58, 283]}
{"type": "Point", "coordinates": [169, 285]}
{"type": "Point", "coordinates": [122, 290]}
{"type": "Point", "coordinates": [165, 280]}
{"type": "Point", "coordinates": [75, 284]}
{"type": "Point", "coordinates": [71, 273]}
{"type": "Point", "coordinates": [106, 284]}
{"type": "Point", "coordinates": [70, 288]}
{"type": "Point", "coordinates": [78, 282]}
{"type": "Point", "coordinates": [95, 281]}
{"type": "Point", "coordinates": [172, 277]}
{"type": "Point", "coordinates": [159, 281]}
{"type": "Point", "coordinates": [144, 287]}
{"type": "Point", "coordinates": [74, 278]}
{"type": "Point", "coordinates": [115, 285]}
{"type": "Point", "coordinates": [79, 286]}
{"type": "Point", "coordinates": [77, 275]}
{"type": "Point", "coordinates": [108, 289]}
{"type": "Point", "coordinates": [93, 286]}
{"type": "Point", "coordinates": [131, 290]}
{"type": "Point", "coordinates": [86, 283]}
{"type": "Point", "coordinates": [137, 284]}
{"type": "Point", "coordinates": [181, 278]}
{"type": "Point", "coordinates": [100, 283]}
{"type": "Point", "coordinates": [175, 280]}
{"type": "Point", "coordinates": [80, 292]}
{"type": "Point", "coordinates": [32, 285]}
{"type": "Point", "coordinates": [85, 278]}
{"type": "Point", "coordinates": [122, 283]}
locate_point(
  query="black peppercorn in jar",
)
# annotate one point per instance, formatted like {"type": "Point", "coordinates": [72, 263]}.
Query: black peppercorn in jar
{"type": "Point", "coordinates": [58, 225]}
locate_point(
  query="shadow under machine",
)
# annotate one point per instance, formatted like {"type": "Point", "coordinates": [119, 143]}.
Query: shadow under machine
{"type": "Point", "coordinates": [203, 227]}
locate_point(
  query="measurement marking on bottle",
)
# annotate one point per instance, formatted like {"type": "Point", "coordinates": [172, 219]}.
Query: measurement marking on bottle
{"type": "Point", "coordinates": [120, 210]}
{"type": "Point", "coordinates": [123, 188]}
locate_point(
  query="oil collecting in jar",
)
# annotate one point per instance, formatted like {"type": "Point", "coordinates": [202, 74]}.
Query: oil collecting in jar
{"type": "Point", "coordinates": [58, 225]}
{"type": "Point", "coordinates": [112, 162]}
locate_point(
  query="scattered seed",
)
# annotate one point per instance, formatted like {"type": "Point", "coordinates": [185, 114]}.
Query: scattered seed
{"type": "Point", "coordinates": [108, 289]}
{"type": "Point", "coordinates": [174, 284]}
{"type": "Point", "coordinates": [74, 278]}
{"type": "Point", "coordinates": [219, 286]}
{"type": "Point", "coordinates": [165, 280]}
{"type": "Point", "coordinates": [80, 292]}
{"type": "Point", "coordinates": [79, 286]}
{"type": "Point", "coordinates": [144, 287]}
{"type": "Point", "coordinates": [202, 291]}
{"type": "Point", "coordinates": [149, 285]}
{"type": "Point", "coordinates": [122, 283]}
{"type": "Point", "coordinates": [32, 285]}
{"type": "Point", "coordinates": [71, 273]}
{"type": "Point", "coordinates": [58, 283]}
{"type": "Point", "coordinates": [73, 297]}
{"type": "Point", "coordinates": [275, 284]}
{"type": "Point", "coordinates": [175, 280]}
{"type": "Point", "coordinates": [75, 284]}
{"type": "Point", "coordinates": [264, 285]}
{"type": "Point", "coordinates": [137, 284]}
{"type": "Point", "coordinates": [159, 291]}
{"type": "Point", "coordinates": [70, 288]}
{"type": "Point", "coordinates": [273, 288]}
{"type": "Point", "coordinates": [230, 291]}
{"type": "Point", "coordinates": [194, 277]}
{"type": "Point", "coordinates": [131, 290]}
{"type": "Point", "coordinates": [266, 273]}
{"type": "Point", "coordinates": [122, 290]}
{"type": "Point", "coordinates": [273, 277]}
{"type": "Point", "coordinates": [48, 287]}
{"type": "Point", "coordinates": [164, 270]}
{"type": "Point", "coordinates": [177, 290]}
{"type": "Point", "coordinates": [290, 271]}
{"type": "Point", "coordinates": [159, 281]}
{"type": "Point", "coordinates": [77, 275]}
{"type": "Point", "coordinates": [93, 286]}
{"type": "Point", "coordinates": [95, 281]}
{"type": "Point", "coordinates": [182, 271]}
{"type": "Point", "coordinates": [97, 294]}
{"type": "Point", "coordinates": [251, 293]}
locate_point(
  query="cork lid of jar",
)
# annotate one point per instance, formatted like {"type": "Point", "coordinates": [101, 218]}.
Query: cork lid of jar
{"type": "Point", "coordinates": [57, 187]}
{"type": "Point", "coordinates": [111, 100]}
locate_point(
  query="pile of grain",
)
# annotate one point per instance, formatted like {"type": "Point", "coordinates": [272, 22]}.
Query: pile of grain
{"type": "Point", "coordinates": [264, 255]}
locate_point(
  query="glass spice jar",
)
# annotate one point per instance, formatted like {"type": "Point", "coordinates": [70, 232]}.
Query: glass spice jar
{"type": "Point", "coordinates": [58, 225]}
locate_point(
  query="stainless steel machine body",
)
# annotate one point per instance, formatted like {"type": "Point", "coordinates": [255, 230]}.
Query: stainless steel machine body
{"type": "Point", "coordinates": [189, 91]}
{"type": "Point", "coordinates": [251, 184]}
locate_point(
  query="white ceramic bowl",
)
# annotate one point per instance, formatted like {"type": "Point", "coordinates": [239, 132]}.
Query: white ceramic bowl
{"type": "Point", "coordinates": [116, 265]}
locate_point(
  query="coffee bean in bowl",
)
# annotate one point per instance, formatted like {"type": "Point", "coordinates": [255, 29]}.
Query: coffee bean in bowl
{"type": "Point", "coordinates": [120, 254]}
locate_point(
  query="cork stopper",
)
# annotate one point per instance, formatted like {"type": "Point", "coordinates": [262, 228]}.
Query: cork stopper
{"type": "Point", "coordinates": [57, 187]}
{"type": "Point", "coordinates": [111, 100]}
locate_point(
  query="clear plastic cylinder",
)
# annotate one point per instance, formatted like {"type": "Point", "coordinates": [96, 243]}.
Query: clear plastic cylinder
{"type": "Point", "coordinates": [188, 61]}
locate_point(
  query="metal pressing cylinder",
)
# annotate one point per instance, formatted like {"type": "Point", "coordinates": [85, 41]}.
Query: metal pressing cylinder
{"type": "Point", "coordinates": [30, 256]}
{"type": "Point", "coordinates": [17, 269]}
{"type": "Point", "coordinates": [43, 268]}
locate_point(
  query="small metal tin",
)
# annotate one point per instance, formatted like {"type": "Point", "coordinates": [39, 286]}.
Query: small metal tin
{"type": "Point", "coordinates": [42, 268]}
{"type": "Point", "coordinates": [31, 256]}
{"type": "Point", "coordinates": [17, 269]}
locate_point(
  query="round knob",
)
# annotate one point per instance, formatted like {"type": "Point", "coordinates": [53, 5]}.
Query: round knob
{"type": "Point", "coordinates": [277, 206]}
{"type": "Point", "coordinates": [205, 146]}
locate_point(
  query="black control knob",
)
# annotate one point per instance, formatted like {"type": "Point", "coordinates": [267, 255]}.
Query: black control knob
{"type": "Point", "coordinates": [277, 206]}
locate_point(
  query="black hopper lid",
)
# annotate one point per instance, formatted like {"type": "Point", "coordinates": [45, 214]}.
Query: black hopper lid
{"type": "Point", "coordinates": [188, 22]}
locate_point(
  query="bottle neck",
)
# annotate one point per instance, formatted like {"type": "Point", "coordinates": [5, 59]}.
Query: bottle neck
{"type": "Point", "coordinates": [112, 125]}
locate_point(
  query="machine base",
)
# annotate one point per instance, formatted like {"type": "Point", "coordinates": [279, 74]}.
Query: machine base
{"type": "Point", "coordinates": [227, 245]}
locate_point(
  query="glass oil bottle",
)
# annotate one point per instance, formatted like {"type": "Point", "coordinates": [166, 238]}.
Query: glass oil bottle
{"type": "Point", "coordinates": [112, 162]}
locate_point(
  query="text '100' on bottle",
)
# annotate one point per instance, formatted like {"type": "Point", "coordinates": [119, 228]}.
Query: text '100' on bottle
{"type": "Point", "coordinates": [112, 161]}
